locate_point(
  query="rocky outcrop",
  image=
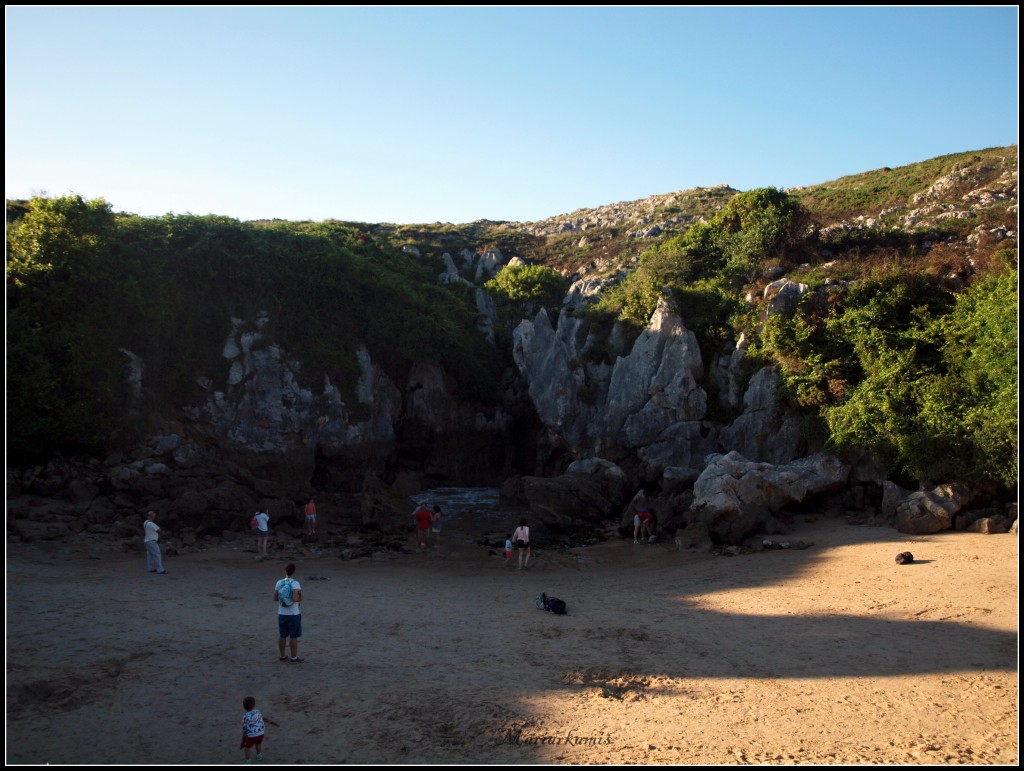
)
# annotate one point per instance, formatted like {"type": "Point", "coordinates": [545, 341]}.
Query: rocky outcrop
{"type": "Point", "coordinates": [694, 537]}
{"type": "Point", "coordinates": [736, 497]}
{"type": "Point", "coordinates": [610, 410]}
{"type": "Point", "coordinates": [923, 512]}
{"type": "Point", "coordinates": [680, 449]}
{"type": "Point", "coordinates": [264, 407]}
{"type": "Point", "coordinates": [587, 290]}
{"type": "Point", "coordinates": [313, 437]}
{"type": "Point", "coordinates": [264, 438]}
{"type": "Point", "coordinates": [635, 409]}
{"type": "Point", "coordinates": [639, 219]}
{"type": "Point", "coordinates": [648, 408]}
{"type": "Point", "coordinates": [481, 267]}
{"type": "Point", "coordinates": [731, 499]}
{"type": "Point", "coordinates": [989, 520]}
{"type": "Point", "coordinates": [763, 432]}
{"type": "Point", "coordinates": [725, 374]}
{"type": "Point", "coordinates": [655, 385]}
{"type": "Point", "coordinates": [781, 298]}
{"type": "Point", "coordinates": [384, 509]}
{"type": "Point", "coordinates": [589, 492]}
{"type": "Point", "coordinates": [447, 439]}
{"type": "Point", "coordinates": [983, 184]}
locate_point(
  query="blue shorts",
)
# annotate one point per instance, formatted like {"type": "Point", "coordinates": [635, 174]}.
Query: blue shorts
{"type": "Point", "coordinates": [289, 626]}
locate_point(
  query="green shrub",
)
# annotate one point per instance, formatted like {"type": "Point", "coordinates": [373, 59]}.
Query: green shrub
{"type": "Point", "coordinates": [755, 227]}
{"type": "Point", "coordinates": [516, 287]}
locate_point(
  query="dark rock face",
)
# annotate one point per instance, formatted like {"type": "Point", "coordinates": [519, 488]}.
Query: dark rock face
{"type": "Point", "coordinates": [579, 442]}
{"type": "Point", "coordinates": [591, 491]}
{"type": "Point", "coordinates": [382, 508]}
{"type": "Point", "coordinates": [266, 440]}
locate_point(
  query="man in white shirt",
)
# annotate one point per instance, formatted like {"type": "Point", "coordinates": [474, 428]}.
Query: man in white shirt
{"type": "Point", "coordinates": [289, 616]}
{"type": "Point", "coordinates": [154, 562]}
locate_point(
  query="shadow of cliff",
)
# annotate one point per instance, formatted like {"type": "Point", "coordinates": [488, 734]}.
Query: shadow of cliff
{"type": "Point", "coordinates": [691, 633]}
{"type": "Point", "coordinates": [732, 645]}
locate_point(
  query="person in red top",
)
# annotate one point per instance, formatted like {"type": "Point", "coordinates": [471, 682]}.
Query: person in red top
{"type": "Point", "coordinates": [310, 516]}
{"type": "Point", "coordinates": [423, 517]}
{"type": "Point", "coordinates": [643, 524]}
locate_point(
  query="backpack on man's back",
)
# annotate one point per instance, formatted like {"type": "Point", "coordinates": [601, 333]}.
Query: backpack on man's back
{"type": "Point", "coordinates": [284, 593]}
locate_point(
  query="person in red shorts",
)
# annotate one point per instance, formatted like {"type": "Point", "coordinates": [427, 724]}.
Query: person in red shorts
{"type": "Point", "coordinates": [252, 729]}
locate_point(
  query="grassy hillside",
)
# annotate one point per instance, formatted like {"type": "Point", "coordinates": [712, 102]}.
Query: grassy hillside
{"type": "Point", "coordinates": [944, 180]}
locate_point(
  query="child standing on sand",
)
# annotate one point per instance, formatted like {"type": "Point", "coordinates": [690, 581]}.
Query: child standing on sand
{"type": "Point", "coordinates": [252, 728]}
{"type": "Point", "coordinates": [508, 551]}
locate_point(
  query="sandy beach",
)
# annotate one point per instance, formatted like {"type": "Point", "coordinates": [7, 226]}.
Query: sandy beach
{"type": "Point", "coordinates": [832, 655]}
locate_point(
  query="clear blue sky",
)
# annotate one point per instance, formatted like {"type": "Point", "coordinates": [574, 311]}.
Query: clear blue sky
{"type": "Point", "coordinates": [450, 114]}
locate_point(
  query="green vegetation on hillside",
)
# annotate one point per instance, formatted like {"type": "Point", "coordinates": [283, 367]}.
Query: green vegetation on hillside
{"type": "Point", "coordinates": [84, 283]}
{"type": "Point", "coordinates": [67, 384]}
{"type": "Point", "coordinates": [924, 377]}
{"type": "Point", "coordinates": [905, 343]}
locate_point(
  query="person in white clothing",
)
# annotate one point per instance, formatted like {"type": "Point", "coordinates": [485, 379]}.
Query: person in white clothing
{"type": "Point", "coordinates": [289, 617]}
{"type": "Point", "coordinates": [521, 539]}
{"type": "Point", "coordinates": [154, 562]}
{"type": "Point", "coordinates": [262, 532]}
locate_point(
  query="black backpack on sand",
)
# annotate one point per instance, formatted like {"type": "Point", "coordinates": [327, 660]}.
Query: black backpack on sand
{"type": "Point", "coordinates": [552, 604]}
{"type": "Point", "coordinates": [556, 606]}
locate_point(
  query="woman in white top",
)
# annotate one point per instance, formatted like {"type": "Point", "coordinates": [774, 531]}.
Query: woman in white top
{"type": "Point", "coordinates": [521, 539]}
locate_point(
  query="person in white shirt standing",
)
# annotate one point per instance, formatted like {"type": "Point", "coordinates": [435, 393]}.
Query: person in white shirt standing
{"type": "Point", "coordinates": [288, 595]}
{"type": "Point", "coordinates": [262, 532]}
{"type": "Point", "coordinates": [154, 562]}
{"type": "Point", "coordinates": [521, 539]}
